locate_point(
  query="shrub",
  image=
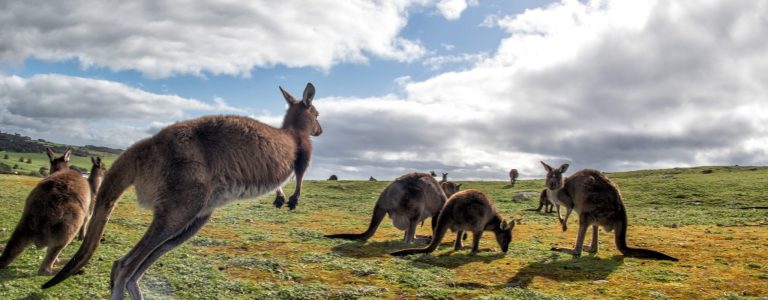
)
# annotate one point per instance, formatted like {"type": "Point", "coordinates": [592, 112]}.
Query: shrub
{"type": "Point", "coordinates": [29, 160]}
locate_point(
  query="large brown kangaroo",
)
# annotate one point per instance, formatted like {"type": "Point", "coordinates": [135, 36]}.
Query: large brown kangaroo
{"type": "Point", "coordinates": [187, 170]}
{"type": "Point", "coordinates": [597, 201]}
{"type": "Point", "coordinates": [468, 210]}
{"type": "Point", "coordinates": [409, 200]}
{"type": "Point", "coordinates": [54, 211]}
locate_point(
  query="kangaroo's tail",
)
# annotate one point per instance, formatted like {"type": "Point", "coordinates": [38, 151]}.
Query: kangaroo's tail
{"type": "Point", "coordinates": [378, 216]}
{"type": "Point", "coordinates": [117, 180]}
{"type": "Point", "coordinates": [621, 244]}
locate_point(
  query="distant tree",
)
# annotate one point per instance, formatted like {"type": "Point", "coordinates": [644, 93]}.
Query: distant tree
{"type": "Point", "coordinates": [21, 159]}
{"type": "Point", "coordinates": [29, 160]}
{"type": "Point", "coordinates": [16, 166]}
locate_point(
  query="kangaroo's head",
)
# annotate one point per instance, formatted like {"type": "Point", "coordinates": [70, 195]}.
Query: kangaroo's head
{"type": "Point", "coordinates": [98, 168]}
{"type": "Point", "coordinates": [554, 179]}
{"type": "Point", "coordinates": [302, 115]}
{"type": "Point", "coordinates": [503, 234]}
{"type": "Point", "coordinates": [445, 176]}
{"type": "Point", "coordinates": [59, 163]}
{"type": "Point", "coordinates": [450, 188]}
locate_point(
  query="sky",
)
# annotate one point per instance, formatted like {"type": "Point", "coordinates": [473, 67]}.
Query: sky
{"type": "Point", "coordinates": [468, 87]}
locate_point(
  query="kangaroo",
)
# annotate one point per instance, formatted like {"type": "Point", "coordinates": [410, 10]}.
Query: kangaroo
{"type": "Point", "coordinates": [445, 177]}
{"type": "Point", "coordinates": [98, 168]}
{"type": "Point", "coordinates": [468, 210]}
{"type": "Point", "coordinates": [187, 170]}
{"type": "Point", "coordinates": [597, 201]}
{"type": "Point", "coordinates": [55, 210]}
{"type": "Point", "coordinates": [543, 203]}
{"type": "Point", "coordinates": [513, 174]}
{"type": "Point", "coordinates": [450, 188]}
{"type": "Point", "coordinates": [372, 179]}
{"type": "Point", "coordinates": [409, 200]}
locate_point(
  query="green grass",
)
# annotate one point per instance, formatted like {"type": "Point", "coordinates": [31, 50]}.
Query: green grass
{"type": "Point", "coordinates": [250, 250]}
{"type": "Point", "coordinates": [41, 160]}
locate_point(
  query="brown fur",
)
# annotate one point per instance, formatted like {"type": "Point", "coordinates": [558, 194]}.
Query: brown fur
{"type": "Point", "coordinates": [513, 174]}
{"type": "Point", "coordinates": [450, 188]}
{"type": "Point", "coordinates": [597, 201]}
{"type": "Point", "coordinates": [187, 170]}
{"type": "Point", "coordinates": [409, 200]}
{"type": "Point", "coordinates": [468, 210]}
{"type": "Point", "coordinates": [54, 211]}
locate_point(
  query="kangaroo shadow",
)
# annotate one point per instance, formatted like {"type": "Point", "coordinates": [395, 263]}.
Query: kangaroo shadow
{"type": "Point", "coordinates": [585, 268]}
{"type": "Point", "coordinates": [454, 259]}
{"type": "Point", "coordinates": [360, 249]}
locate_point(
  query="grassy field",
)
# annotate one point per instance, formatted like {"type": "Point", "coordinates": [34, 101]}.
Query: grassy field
{"type": "Point", "coordinates": [41, 160]}
{"type": "Point", "coordinates": [250, 250]}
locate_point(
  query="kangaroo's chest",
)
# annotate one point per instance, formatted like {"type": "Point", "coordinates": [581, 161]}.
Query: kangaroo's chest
{"type": "Point", "coordinates": [553, 198]}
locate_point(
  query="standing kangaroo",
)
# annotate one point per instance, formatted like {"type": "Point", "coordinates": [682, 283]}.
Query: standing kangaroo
{"type": "Point", "coordinates": [597, 201]}
{"type": "Point", "coordinates": [450, 188]}
{"type": "Point", "coordinates": [54, 212]}
{"type": "Point", "coordinates": [468, 210]}
{"type": "Point", "coordinates": [445, 177]}
{"type": "Point", "coordinates": [187, 170]}
{"type": "Point", "coordinates": [409, 200]}
{"type": "Point", "coordinates": [544, 203]}
{"type": "Point", "coordinates": [513, 174]}
{"type": "Point", "coordinates": [98, 168]}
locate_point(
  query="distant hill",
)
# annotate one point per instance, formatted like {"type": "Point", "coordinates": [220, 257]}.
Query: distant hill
{"type": "Point", "coordinates": [18, 143]}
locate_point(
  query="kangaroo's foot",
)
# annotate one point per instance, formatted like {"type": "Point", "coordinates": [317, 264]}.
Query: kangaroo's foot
{"type": "Point", "coordinates": [293, 201]}
{"type": "Point", "coordinates": [279, 201]}
{"type": "Point", "coordinates": [588, 248]}
{"type": "Point", "coordinates": [47, 271]}
{"type": "Point", "coordinates": [567, 250]}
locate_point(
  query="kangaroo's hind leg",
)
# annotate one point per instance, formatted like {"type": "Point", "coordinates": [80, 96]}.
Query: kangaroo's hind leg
{"type": "Point", "coordinates": [51, 255]}
{"type": "Point", "coordinates": [457, 245]}
{"type": "Point", "coordinates": [190, 231]}
{"type": "Point", "coordinates": [16, 245]}
{"type": "Point", "coordinates": [576, 251]}
{"type": "Point", "coordinates": [592, 248]}
{"type": "Point", "coordinates": [171, 218]}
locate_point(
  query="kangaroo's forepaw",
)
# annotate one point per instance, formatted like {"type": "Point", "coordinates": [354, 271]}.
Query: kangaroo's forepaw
{"type": "Point", "coordinates": [279, 201]}
{"type": "Point", "coordinates": [293, 202]}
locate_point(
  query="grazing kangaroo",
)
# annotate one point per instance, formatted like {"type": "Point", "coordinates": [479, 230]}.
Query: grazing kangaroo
{"type": "Point", "coordinates": [409, 200]}
{"type": "Point", "coordinates": [54, 212]}
{"type": "Point", "coordinates": [187, 170]}
{"type": "Point", "coordinates": [513, 174]}
{"type": "Point", "coordinates": [468, 210]}
{"type": "Point", "coordinates": [597, 201]}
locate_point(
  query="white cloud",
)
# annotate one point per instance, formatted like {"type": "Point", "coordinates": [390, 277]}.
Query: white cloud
{"type": "Point", "coordinates": [613, 85]}
{"type": "Point", "coordinates": [81, 110]}
{"type": "Point", "coordinates": [165, 38]}
{"type": "Point", "coordinates": [452, 9]}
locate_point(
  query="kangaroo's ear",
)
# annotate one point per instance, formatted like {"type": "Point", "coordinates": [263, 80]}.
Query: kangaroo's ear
{"type": "Point", "coordinates": [98, 159]}
{"type": "Point", "coordinates": [67, 153]}
{"type": "Point", "coordinates": [287, 96]}
{"type": "Point", "coordinates": [511, 223]}
{"type": "Point", "coordinates": [503, 225]}
{"type": "Point", "coordinates": [51, 154]}
{"type": "Point", "coordinates": [93, 160]}
{"type": "Point", "coordinates": [309, 94]}
{"type": "Point", "coordinates": [546, 167]}
{"type": "Point", "coordinates": [564, 167]}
